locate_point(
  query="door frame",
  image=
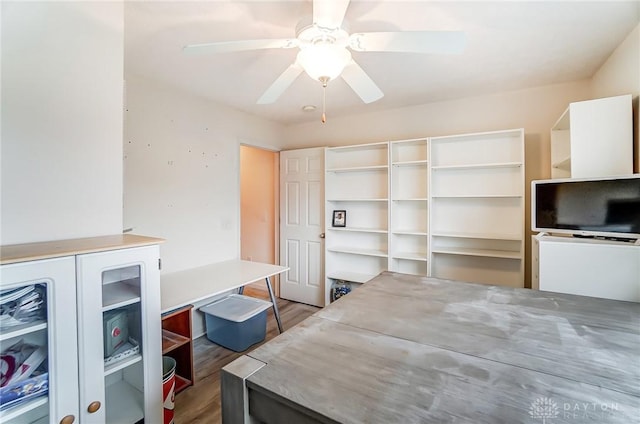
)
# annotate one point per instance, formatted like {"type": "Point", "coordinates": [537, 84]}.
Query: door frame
{"type": "Point", "coordinates": [275, 280]}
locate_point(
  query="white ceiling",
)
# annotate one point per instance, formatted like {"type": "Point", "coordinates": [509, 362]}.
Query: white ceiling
{"type": "Point", "coordinates": [510, 45]}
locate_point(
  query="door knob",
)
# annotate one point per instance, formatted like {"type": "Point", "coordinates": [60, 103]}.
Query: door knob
{"type": "Point", "coordinates": [93, 407]}
{"type": "Point", "coordinates": [321, 235]}
{"type": "Point", "coordinates": [69, 419]}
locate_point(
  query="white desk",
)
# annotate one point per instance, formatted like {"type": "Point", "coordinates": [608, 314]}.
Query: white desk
{"type": "Point", "coordinates": [192, 285]}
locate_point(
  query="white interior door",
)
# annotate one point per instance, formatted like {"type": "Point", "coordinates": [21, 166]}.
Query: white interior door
{"type": "Point", "coordinates": [302, 225]}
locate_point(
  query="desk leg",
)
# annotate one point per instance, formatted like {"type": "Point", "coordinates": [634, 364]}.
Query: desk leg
{"type": "Point", "coordinates": [275, 305]}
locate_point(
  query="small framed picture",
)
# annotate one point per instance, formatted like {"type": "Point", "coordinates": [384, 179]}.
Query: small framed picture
{"type": "Point", "coordinates": [339, 219]}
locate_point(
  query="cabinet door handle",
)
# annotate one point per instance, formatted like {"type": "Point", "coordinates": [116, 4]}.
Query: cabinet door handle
{"type": "Point", "coordinates": [94, 406]}
{"type": "Point", "coordinates": [321, 235]}
{"type": "Point", "coordinates": [69, 419]}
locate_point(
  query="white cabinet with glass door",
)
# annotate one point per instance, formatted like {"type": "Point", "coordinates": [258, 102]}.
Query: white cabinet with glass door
{"type": "Point", "coordinates": [121, 285]}
{"type": "Point", "coordinates": [38, 325]}
{"type": "Point", "coordinates": [100, 329]}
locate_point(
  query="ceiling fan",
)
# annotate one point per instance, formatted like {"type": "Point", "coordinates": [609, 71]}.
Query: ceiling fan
{"type": "Point", "coordinates": [324, 43]}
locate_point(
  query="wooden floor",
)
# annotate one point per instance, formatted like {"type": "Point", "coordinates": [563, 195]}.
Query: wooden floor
{"type": "Point", "coordinates": [200, 404]}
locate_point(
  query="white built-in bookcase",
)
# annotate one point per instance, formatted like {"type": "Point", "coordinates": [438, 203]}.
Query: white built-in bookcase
{"type": "Point", "coordinates": [408, 229]}
{"type": "Point", "coordinates": [357, 180]}
{"type": "Point", "coordinates": [448, 207]}
{"type": "Point", "coordinates": [477, 207]}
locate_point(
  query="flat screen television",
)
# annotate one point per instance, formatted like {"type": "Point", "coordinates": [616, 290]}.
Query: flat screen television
{"type": "Point", "coordinates": [590, 207]}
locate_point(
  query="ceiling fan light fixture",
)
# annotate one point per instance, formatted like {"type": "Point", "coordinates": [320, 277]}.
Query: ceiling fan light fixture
{"type": "Point", "coordinates": [323, 60]}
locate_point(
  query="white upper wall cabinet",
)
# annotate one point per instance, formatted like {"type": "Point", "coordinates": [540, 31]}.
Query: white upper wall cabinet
{"type": "Point", "coordinates": [593, 138]}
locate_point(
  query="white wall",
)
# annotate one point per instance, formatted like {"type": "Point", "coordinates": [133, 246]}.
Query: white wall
{"type": "Point", "coordinates": [620, 74]}
{"type": "Point", "coordinates": [181, 176]}
{"type": "Point", "coordinates": [61, 148]}
{"type": "Point", "coordinates": [535, 109]}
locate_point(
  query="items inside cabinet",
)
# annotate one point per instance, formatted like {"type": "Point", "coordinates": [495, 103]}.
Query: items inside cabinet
{"type": "Point", "coordinates": [177, 343]}
{"type": "Point", "coordinates": [121, 317]}
{"type": "Point", "coordinates": [24, 377]}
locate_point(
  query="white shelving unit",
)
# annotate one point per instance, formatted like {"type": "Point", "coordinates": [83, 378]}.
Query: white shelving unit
{"type": "Point", "coordinates": [476, 208]}
{"type": "Point", "coordinates": [85, 279]}
{"type": "Point", "coordinates": [356, 181]}
{"type": "Point", "coordinates": [449, 207]}
{"type": "Point", "coordinates": [593, 138]}
{"type": "Point", "coordinates": [408, 232]}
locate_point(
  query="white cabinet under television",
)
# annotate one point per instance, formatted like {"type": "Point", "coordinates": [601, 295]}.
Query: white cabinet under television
{"type": "Point", "coordinates": [593, 138]}
{"type": "Point", "coordinates": [477, 207]}
{"type": "Point", "coordinates": [90, 283]}
{"type": "Point", "coordinates": [356, 181]}
{"type": "Point", "coordinates": [589, 267]}
{"type": "Point", "coordinates": [408, 232]}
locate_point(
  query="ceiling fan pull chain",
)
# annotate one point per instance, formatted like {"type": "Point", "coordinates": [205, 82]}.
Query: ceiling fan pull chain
{"type": "Point", "coordinates": [324, 81]}
{"type": "Point", "coordinates": [324, 95]}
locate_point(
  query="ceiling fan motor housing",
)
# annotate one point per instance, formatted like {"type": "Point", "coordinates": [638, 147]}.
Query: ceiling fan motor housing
{"type": "Point", "coordinates": [309, 33]}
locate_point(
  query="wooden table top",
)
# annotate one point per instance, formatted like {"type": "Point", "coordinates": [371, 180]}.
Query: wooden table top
{"type": "Point", "coordinates": [407, 349]}
{"type": "Point", "coordinates": [15, 253]}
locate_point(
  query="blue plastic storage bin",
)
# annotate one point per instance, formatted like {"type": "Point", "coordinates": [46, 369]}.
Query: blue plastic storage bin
{"type": "Point", "coordinates": [236, 321]}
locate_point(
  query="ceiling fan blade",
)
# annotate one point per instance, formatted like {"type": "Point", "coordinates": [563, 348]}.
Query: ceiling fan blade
{"type": "Point", "coordinates": [360, 82]}
{"type": "Point", "coordinates": [241, 45]}
{"type": "Point", "coordinates": [329, 13]}
{"type": "Point", "coordinates": [440, 42]}
{"type": "Point", "coordinates": [282, 83]}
